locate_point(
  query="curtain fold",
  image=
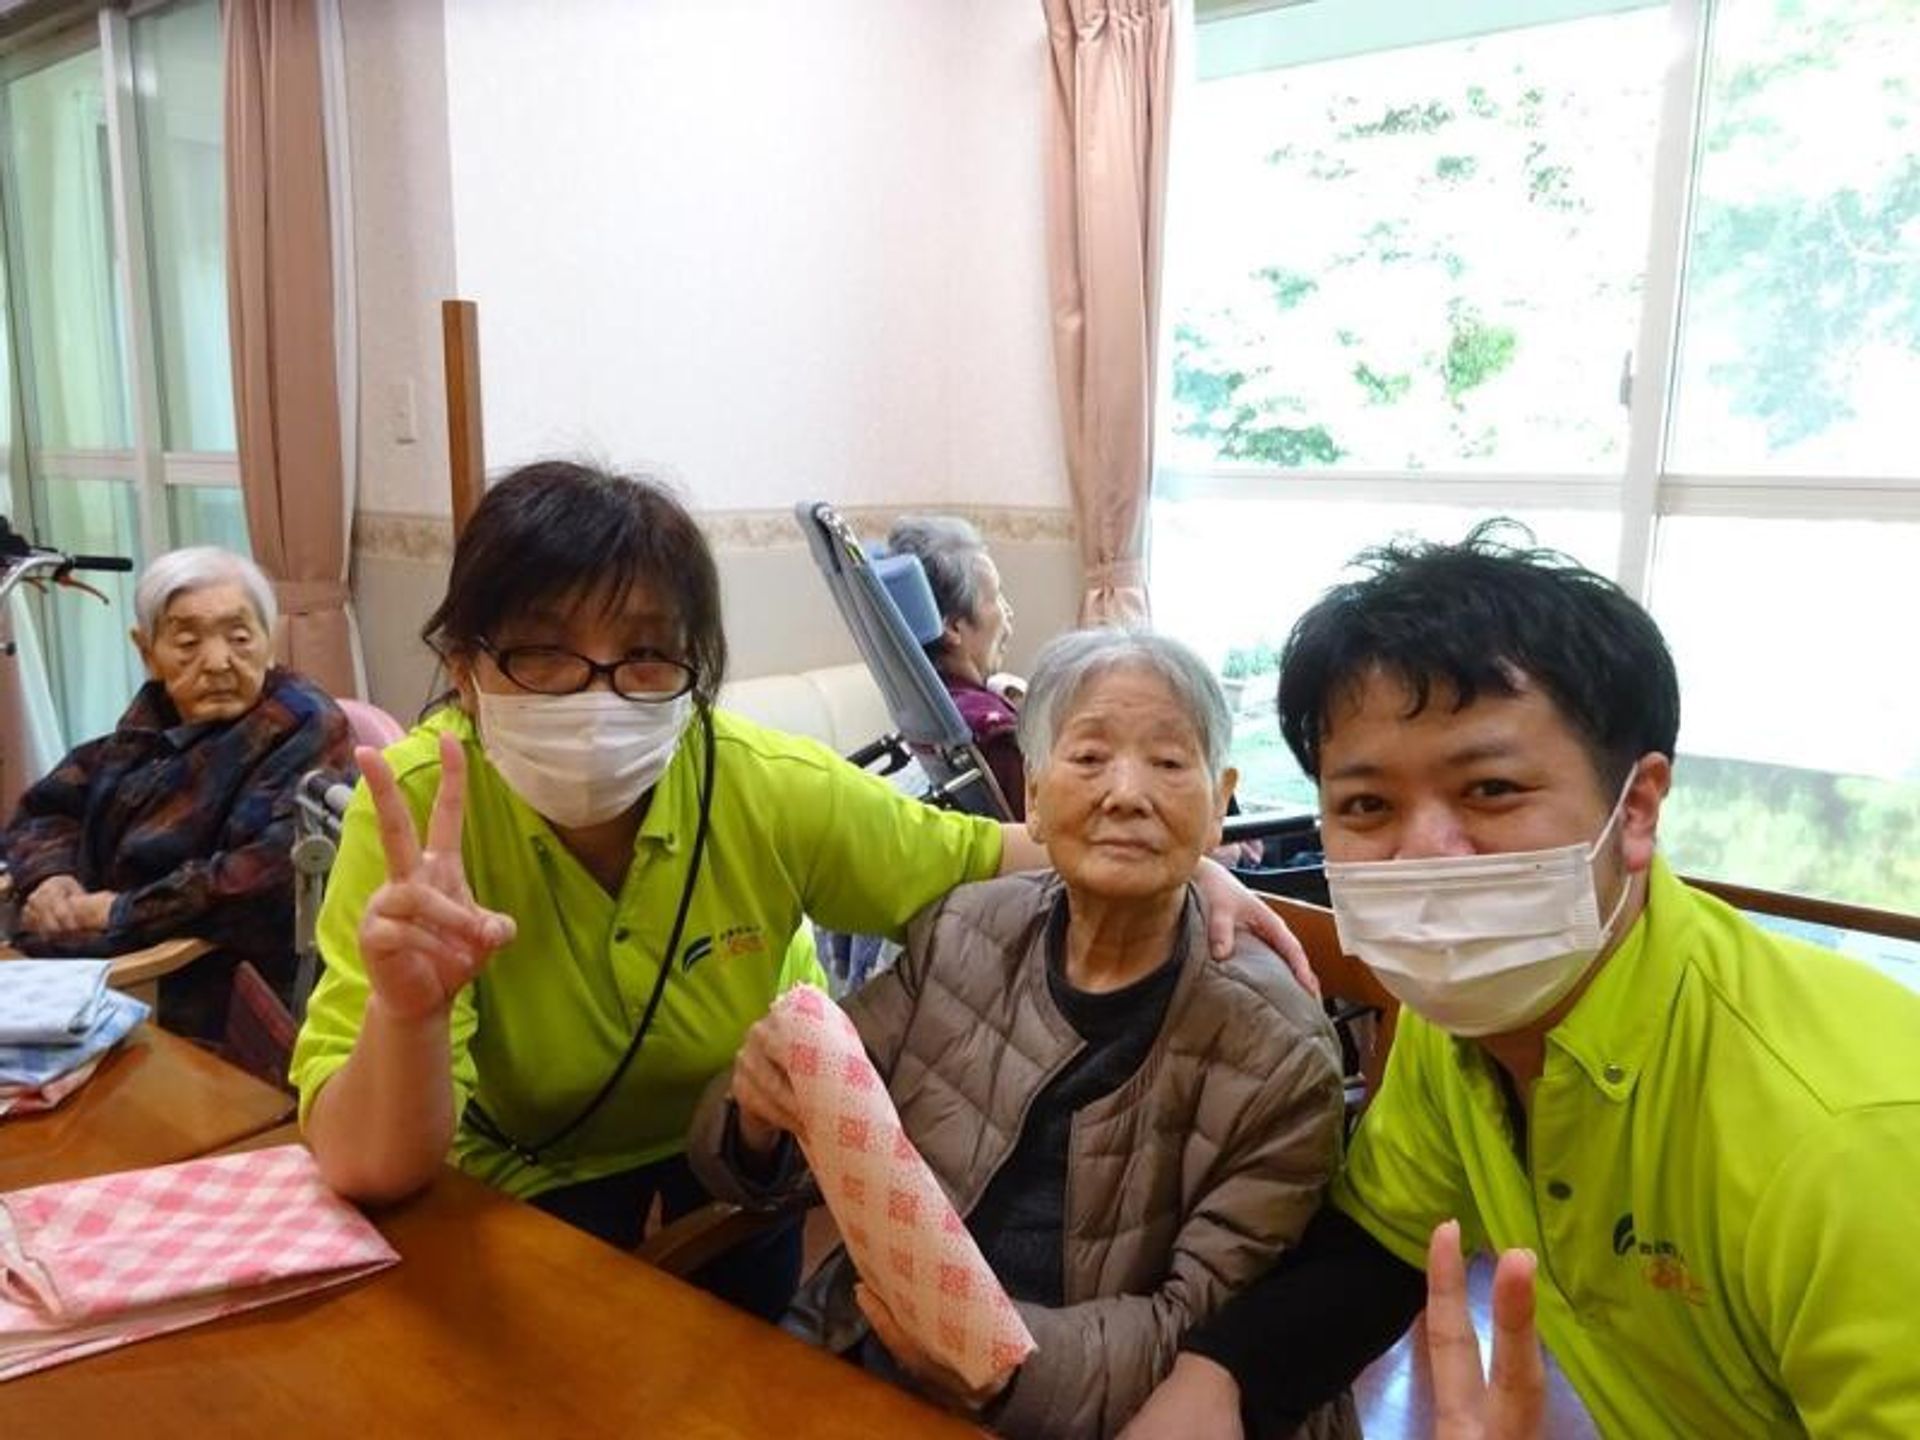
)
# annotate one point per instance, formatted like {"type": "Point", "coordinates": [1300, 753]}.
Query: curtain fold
{"type": "Point", "coordinates": [280, 278]}
{"type": "Point", "coordinates": [1106, 197]}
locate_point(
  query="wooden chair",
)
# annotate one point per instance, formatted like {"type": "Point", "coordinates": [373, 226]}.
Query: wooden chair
{"type": "Point", "coordinates": [138, 972]}
{"type": "Point", "coordinates": [694, 1240]}
{"type": "Point", "coordinates": [1834, 913]}
{"type": "Point", "coordinates": [1361, 1007]}
{"type": "Point", "coordinates": [260, 1029]}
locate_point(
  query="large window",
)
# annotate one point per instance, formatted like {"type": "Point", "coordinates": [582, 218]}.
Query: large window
{"type": "Point", "coordinates": [1418, 259]}
{"type": "Point", "coordinates": [111, 183]}
{"type": "Point", "coordinates": [1643, 276]}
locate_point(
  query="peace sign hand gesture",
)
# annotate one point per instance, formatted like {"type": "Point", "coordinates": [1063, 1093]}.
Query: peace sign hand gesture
{"type": "Point", "coordinates": [1507, 1402]}
{"type": "Point", "coordinates": [422, 937]}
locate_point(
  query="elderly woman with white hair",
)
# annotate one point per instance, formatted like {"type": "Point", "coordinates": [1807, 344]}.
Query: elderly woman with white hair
{"type": "Point", "coordinates": [976, 622]}
{"type": "Point", "coordinates": [1130, 1130]}
{"type": "Point", "coordinates": [179, 821]}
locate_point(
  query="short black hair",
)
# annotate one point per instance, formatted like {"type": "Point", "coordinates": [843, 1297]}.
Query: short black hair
{"type": "Point", "coordinates": [556, 531]}
{"type": "Point", "coordinates": [1472, 617]}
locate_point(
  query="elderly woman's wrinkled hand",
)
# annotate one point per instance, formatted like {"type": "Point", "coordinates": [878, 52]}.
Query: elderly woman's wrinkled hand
{"type": "Point", "coordinates": [93, 910]}
{"type": "Point", "coordinates": [935, 1380]}
{"type": "Point", "coordinates": [1232, 907]}
{"type": "Point", "coordinates": [763, 1092]}
{"type": "Point", "coordinates": [50, 907]}
{"type": "Point", "coordinates": [422, 937]}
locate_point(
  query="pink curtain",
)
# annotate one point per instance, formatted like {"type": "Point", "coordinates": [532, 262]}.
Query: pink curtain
{"type": "Point", "coordinates": [281, 304]}
{"type": "Point", "coordinates": [1106, 184]}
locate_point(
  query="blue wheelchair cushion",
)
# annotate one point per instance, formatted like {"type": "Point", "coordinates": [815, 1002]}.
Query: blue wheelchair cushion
{"type": "Point", "coordinates": [905, 580]}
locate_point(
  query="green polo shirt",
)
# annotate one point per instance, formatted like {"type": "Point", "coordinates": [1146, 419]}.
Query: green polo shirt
{"type": "Point", "coordinates": [794, 829]}
{"type": "Point", "coordinates": [1723, 1156]}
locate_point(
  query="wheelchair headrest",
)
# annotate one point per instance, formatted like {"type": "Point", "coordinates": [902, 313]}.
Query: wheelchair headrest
{"type": "Point", "coordinates": [905, 579]}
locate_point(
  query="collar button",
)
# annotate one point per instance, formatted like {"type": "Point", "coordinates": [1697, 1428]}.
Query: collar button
{"type": "Point", "coordinates": [1614, 1074]}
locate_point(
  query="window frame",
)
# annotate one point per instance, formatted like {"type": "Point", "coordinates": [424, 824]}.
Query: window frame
{"type": "Point", "coordinates": [1647, 490]}
{"type": "Point", "coordinates": [146, 465]}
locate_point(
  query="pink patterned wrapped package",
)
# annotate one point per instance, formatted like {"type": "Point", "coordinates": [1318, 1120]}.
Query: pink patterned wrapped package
{"type": "Point", "coordinates": [88, 1265]}
{"type": "Point", "coordinates": [906, 1239]}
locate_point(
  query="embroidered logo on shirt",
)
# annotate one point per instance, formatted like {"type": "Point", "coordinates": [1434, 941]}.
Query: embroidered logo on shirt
{"type": "Point", "coordinates": [730, 944]}
{"type": "Point", "coordinates": [1662, 1266]}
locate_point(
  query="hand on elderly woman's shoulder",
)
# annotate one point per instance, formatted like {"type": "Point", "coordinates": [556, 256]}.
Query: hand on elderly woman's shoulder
{"type": "Point", "coordinates": [1231, 908]}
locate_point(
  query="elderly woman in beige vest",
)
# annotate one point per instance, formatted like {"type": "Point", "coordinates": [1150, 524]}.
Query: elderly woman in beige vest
{"type": "Point", "coordinates": [1131, 1129]}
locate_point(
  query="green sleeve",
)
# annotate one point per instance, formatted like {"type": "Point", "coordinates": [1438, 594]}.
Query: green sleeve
{"type": "Point", "coordinates": [876, 857]}
{"type": "Point", "coordinates": [801, 964]}
{"type": "Point", "coordinates": [339, 1000]}
{"type": "Point", "coordinates": [1403, 1174]}
{"type": "Point", "coordinates": [1831, 1271]}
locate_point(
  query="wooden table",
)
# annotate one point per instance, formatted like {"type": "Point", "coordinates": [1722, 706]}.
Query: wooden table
{"type": "Point", "coordinates": [155, 1099]}
{"type": "Point", "coordinates": [499, 1320]}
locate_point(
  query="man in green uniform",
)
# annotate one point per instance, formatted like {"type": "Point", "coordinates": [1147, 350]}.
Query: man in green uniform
{"type": "Point", "coordinates": [1707, 1135]}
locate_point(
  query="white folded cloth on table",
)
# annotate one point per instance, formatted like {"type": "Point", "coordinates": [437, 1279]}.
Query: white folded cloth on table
{"type": "Point", "coordinates": [29, 1067]}
{"type": "Point", "coordinates": [88, 1265]}
{"type": "Point", "coordinates": [49, 1002]}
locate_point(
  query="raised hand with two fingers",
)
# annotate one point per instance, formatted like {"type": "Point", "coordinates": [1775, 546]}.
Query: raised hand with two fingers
{"type": "Point", "coordinates": [1509, 1400]}
{"type": "Point", "coordinates": [422, 936]}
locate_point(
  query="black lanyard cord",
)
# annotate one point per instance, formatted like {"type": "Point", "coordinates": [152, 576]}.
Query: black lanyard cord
{"type": "Point", "coordinates": [484, 1125]}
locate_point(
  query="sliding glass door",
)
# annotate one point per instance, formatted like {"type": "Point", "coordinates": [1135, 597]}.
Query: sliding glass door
{"type": "Point", "coordinates": [116, 261]}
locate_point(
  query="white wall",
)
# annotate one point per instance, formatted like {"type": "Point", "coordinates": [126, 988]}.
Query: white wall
{"type": "Point", "coordinates": [771, 250]}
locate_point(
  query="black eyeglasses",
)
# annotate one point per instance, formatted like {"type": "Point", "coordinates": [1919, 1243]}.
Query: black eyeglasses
{"type": "Point", "coordinates": [645, 675]}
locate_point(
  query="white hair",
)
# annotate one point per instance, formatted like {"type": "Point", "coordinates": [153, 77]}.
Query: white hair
{"type": "Point", "coordinates": [195, 568]}
{"type": "Point", "coordinates": [950, 551]}
{"type": "Point", "coordinates": [1068, 662]}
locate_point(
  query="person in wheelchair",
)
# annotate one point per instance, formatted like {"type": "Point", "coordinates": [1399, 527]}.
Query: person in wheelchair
{"type": "Point", "coordinates": [178, 823]}
{"type": "Point", "coordinates": [1131, 1131]}
{"type": "Point", "coordinates": [561, 901]}
{"type": "Point", "coordinates": [976, 621]}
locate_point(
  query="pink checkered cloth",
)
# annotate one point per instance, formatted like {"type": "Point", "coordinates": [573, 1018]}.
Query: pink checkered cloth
{"type": "Point", "coordinates": [906, 1239]}
{"type": "Point", "coordinates": [88, 1265]}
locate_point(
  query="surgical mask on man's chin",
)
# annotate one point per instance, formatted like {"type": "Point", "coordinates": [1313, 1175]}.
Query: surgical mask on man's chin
{"type": "Point", "coordinates": [580, 759]}
{"type": "Point", "coordinates": [1478, 944]}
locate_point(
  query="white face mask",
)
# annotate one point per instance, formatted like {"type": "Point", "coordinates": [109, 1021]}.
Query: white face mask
{"type": "Point", "coordinates": [1478, 944]}
{"type": "Point", "coordinates": [580, 759]}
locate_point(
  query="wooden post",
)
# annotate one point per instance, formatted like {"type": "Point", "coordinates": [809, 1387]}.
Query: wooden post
{"type": "Point", "coordinates": [466, 441]}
